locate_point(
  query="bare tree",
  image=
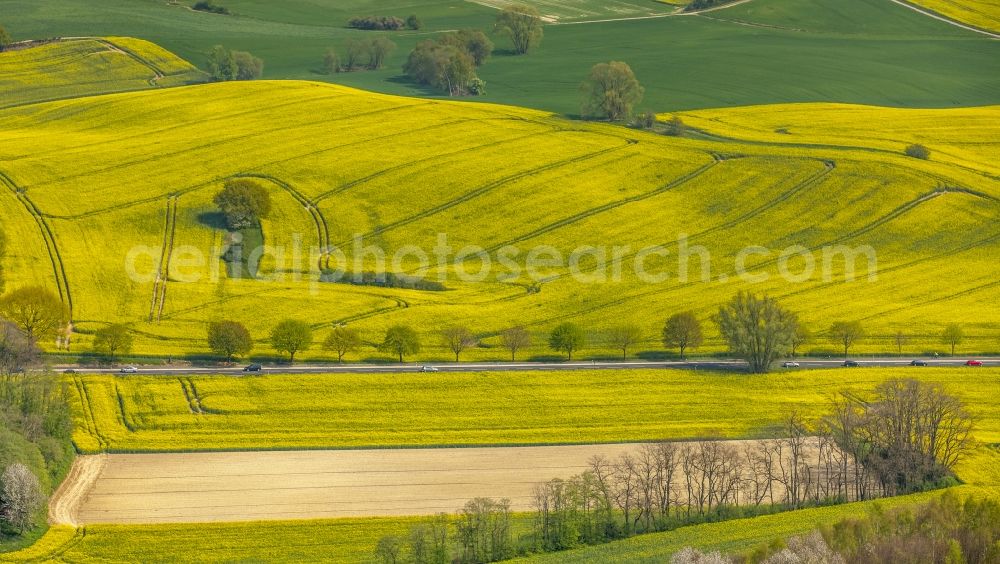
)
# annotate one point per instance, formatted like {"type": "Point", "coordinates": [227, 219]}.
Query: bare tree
{"type": "Point", "coordinates": [846, 334]}
{"type": "Point", "coordinates": [900, 339]}
{"type": "Point", "coordinates": [515, 339]}
{"type": "Point", "coordinates": [624, 336]}
{"type": "Point", "coordinates": [458, 339]}
{"type": "Point", "coordinates": [17, 350]}
{"type": "Point", "coordinates": [952, 336]}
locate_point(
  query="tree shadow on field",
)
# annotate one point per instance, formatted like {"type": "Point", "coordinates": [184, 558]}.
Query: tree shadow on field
{"type": "Point", "coordinates": [214, 219]}
{"type": "Point", "coordinates": [423, 89]}
{"type": "Point", "coordinates": [505, 53]}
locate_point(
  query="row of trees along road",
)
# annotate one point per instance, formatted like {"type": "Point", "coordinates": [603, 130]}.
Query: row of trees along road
{"type": "Point", "coordinates": [907, 437]}
{"type": "Point", "coordinates": [755, 328]}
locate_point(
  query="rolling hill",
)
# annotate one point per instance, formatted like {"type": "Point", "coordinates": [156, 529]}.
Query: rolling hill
{"type": "Point", "coordinates": [133, 174]}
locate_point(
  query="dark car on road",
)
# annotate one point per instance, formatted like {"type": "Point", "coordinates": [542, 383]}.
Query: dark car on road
{"type": "Point", "coordinates": [851, 364]}
{"type": "Point", "coordinates": [253, 368]}
{"type": "Point", "coordinates": [918, 363]}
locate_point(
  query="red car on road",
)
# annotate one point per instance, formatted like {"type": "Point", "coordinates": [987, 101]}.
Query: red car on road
{"type": "Point", "coordinates": [974, 363]}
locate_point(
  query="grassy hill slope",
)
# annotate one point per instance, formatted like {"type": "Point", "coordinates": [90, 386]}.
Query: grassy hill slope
{"type": "Point", "coordinates": [83, 67]}
{"type": "Point", "coordinates": [764, 51]}
{"type": "Point", "coordinates": [133, 174]}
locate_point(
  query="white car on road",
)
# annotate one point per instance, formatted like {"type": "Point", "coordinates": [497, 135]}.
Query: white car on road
{"type": "Point", "coordinates": [128, 370]}
{"type": "Point", "coordinates": [790, 364]}
{"type": "Point", "coordinates": [428, 369]}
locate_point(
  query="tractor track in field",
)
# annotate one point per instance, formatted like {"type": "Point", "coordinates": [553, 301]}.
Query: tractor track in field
{"type": "Point", "coordinates": [48, 236]}
{"type": "Point", "coordinates": [157, 72]}
{"type": "Point", "coordinates": [402, 166]}
{"type": "Point", "coordinates": [163, 270]}
{"type": "Point", "coordinates": [685, 178]}
{"type": "Point", "coordinates": [88, 414]}
{"type": "Point", "coordinates": [122, 414]}
{"type": "Point", "coordinates": [892, 215]}
{"type": "Point", "coordinates": [486, 188]}
{"type": "Point", "coordinates": [66, 500]}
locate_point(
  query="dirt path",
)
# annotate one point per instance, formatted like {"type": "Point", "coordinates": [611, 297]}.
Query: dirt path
{"type": "Point", "coordinates": [72, 493]}
{"type": "Point", "coordinates": [939, 17]}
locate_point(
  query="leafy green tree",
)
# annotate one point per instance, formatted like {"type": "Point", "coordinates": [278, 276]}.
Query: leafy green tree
{"type": "Point", "coordinates": [952, 336]}
{"type": "Point", "coordinates": [522, 24]}
{"type": "Point", "coordinates": [5, 38]}
{"type": "Point", "coordinates": [918, 151]}
{"type": "Point", "coordinates": [342, 340]}
{"type": "Point", "coordinates": [682, 331]}
{"type": "Point", "coordinates": [515, 339]}
{"type": "Point", "coordinates": [611, 91]}
{"type": "Point", "coordinates": [248, 67]}
{"type": "Point", "coordinates": [229, 339]}
{"type": "Point", "coordinates": [355, 52]}
{"type": "Point", "coordinates": [674, 127]}
{"type": "Point", "coordinates": [35, 310]}
{"type": "Point", "coordinates": [113, 340]}
{"type": "Point", "coordinates": [222, 64]}
{"type": "Point", "coordinates": [801, 336]}
{"type": "Point", "coordinates": [623, 337]}
{"type": "Point", "coordinates": [846, 334]}
{"type": "Point", "coordinates": [756, 329]}
{"type": "Point", "coordinates": [244, 202]}
{"type": "Point", "coordinates": [389, 549]}
{"type": "Point", "coordinates": [400, 340]}
{"type": "Point", "coordinates": [472, 41]}
{"type": "Point", "coordinates": [444, 67]}
{"type": "Point", "coordinates": [291, 336]}
{"type": "Point", "coordinates": [413, 22]}
{"type": "Point", "coordinates": [458, 339]}
{"type": "Point", "coordinates": [567, 337]}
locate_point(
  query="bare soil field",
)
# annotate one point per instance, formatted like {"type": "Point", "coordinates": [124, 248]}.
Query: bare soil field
{"type": "Point", "coordinates": [281, 485]}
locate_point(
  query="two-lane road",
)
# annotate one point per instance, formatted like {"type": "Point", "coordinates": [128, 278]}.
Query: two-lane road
{"type": "Point", "coordinates": [701, 364]}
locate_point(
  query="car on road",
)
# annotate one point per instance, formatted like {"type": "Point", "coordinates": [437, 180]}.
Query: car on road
{"type": "Point", "coordinates": [128, 370]}
{"type": "Point", "coordinates": [69, 371]}
{"type": "Point", "coordinates": [790, 364]}
{"type": "Point", "coordinates": [918, 363]}
{"type": "Point", "coordinates": [428, 369]}
{"type": "Point", "coordinates": [851, 364]}
{"type": "Point", "coordinates": [253, 368]}
{"type": "Point", "coordinates": [974, 363]}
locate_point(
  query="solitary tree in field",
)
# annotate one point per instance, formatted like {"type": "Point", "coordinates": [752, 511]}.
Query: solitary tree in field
{"type": "Point", "coordinates": [756, 329]}
{"type": "Point", "coordinates": [952, 336]}
{"type": "Point", "coordinates": [624, 337]}
{"type": "Point", "coordinates": [20, 496]}
{"type": "Point", "coordinates": [413, 22]}
{"type": "Point", "coordinates": [5, 39]}
{"type": "Point", "coordinates": [515, 339]}
{"type": "Point", "coordinates": [229, 339]}
{"type": "Point", "coordinates": [901, 340]}
{"type": "Point", "coordinates": [36, 310]}
{"type": "Point", "coordinates": [458, 339]}
{"type": "Point", "coordinates": [801, 336]}
{"type": "Point", "coordinates": [113, 340]}
{"type": "Point", "coordinates": [244, 202]}
{"type": "Point", "coordinates": [522, 24]}
{"type": "Point", "coordinates": [291, 336]}
{"type": "Point", "coordinates": [17, 351]}
{"type": "Point", "coordinates": [342, 340]}
{"type": "Point", "coordinates": [567, 337]}
{"type": "Point", "coordinates": [611, 91]}
{"type": "Point", "coordinates": [846, 334]}
{"type": "Point", "coordinates": [400, 340]}
{"type": "Point", "coordinates": [682, 331]}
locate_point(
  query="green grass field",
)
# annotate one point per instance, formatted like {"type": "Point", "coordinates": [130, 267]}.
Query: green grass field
{"type": "Point", "coordinates": [765, 51]}
{"type": "Point", "coordinates": [133, 414]}
{"type": "Point", "coordinates": [114, 174]}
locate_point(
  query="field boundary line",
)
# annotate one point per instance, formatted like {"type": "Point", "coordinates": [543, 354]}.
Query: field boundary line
{"type": "Point", "coordinates": [163, 270]}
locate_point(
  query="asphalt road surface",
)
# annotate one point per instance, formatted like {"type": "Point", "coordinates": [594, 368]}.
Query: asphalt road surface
{"type": "Point", "coordinates": [709, 364]}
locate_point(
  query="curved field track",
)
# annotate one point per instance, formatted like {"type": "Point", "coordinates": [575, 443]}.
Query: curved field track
{"type": "Point", "coordinates": [279, 485]}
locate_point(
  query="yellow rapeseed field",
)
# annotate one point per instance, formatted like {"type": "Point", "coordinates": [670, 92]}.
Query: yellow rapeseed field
{"type": "Point", "coordinates": [984, 14]}
{"type": "Point", "coordinates": [98, 188]}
